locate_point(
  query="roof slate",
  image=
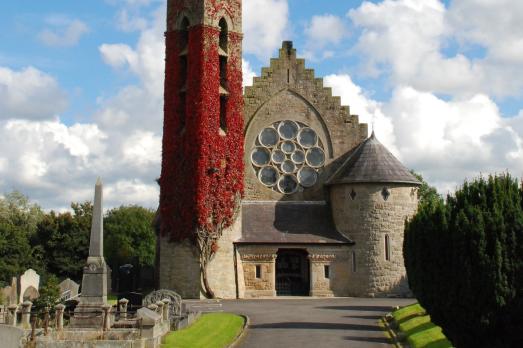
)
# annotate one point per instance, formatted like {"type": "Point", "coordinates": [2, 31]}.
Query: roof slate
{"type": "Point", "coordinates": [371, 162]}
{"type": "Point", "coordinates": [289, 222]}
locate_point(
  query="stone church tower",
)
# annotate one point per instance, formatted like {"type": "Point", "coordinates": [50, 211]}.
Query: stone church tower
{"type": "Point", "coordinates": [202, 167]}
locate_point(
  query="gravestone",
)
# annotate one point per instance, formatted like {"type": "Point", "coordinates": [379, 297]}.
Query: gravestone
{"type": "Point", "coordinates": [9, 293]}
{"type": "Point", "coordinates": [175, 308]}
{"type": "Point", "coordinates": [68, 289]}
{"type": "Point", "coordinates": [28, 285]}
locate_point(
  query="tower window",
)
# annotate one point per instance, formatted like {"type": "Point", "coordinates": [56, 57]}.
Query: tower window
{"type": "Point", "coordinates": [223, 34]}
{"type": "Point", "coordinates": [326, 271]}
{"type": "Point", "coordinates": [222, 48]}
{"type": "Point", "coordinates": [353, 262]}
{"type": "Point", "coordinates": [352, 194]}
{"type": "Point", "coordinates": [258, 271]}
{"type": "Point", "coordinates": [184, 66]}
{"type": "Point", "coordinates": [387, 247]}
{"type": "Point", "coordinates": [223, 113]}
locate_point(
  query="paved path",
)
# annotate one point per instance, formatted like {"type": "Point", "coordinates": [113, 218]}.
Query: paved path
{"type": "Point", "coordinates": [304, 323]}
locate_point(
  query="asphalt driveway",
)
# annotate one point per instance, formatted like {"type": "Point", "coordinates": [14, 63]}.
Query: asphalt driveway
{"type": "Point", "coordinates": [307, 322]}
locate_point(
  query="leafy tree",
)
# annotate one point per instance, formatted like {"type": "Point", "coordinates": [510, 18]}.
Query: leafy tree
{"type": "Point", "coordinates": [62, 241]}
{"type": "Point", "coordinates": [428, 195]}
{"type": "Point", "coordinates": [464, 261]}
{"type": "Point", "coordinates": [129, 236]}
{"type": "Point", "coordinates": [49, 294]}
{"type": "Point", "coordinates": [18, 220]}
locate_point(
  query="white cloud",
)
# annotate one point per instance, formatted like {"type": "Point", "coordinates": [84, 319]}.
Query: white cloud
{"type": "Point", "coordinates": [264, 25]}
{"type": "Point", "coordinates": [325, 29]}
{"type": "Point", "coordinates": [248, 73]}
{"type": "Point", "coordinates": [64, 32]}
{"type": "Point", "coordinates": [407, 39]}
{"type": "Point", "coordinates": [29, 94]}
{"type": "Point", "coordinates": [368, 110]}
{"type": "Point", "coordinates": [447, 141]}
{"type": "Point", "coordinates": [130, 22]}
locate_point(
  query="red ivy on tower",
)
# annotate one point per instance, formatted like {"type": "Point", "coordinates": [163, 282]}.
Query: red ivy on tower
{"type": "Point", "coordinates": [201, 182]}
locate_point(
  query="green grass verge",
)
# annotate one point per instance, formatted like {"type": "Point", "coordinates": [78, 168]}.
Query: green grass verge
{"type": "Point", "coordinates": [419, 331]}
{"type": "Point", "coordinates": [112, 299]}
{"type": "Point", "coordinates": [408, 312]}
{"type": "Point", "coordinates": [213, 330]}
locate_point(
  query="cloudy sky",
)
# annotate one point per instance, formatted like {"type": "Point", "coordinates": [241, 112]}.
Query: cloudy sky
{"type": "Point", "coordinates": [81, 86]}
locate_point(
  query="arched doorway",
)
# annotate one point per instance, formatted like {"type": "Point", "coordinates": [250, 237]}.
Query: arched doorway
{"type": "Point", "coordinates": [292, 272]}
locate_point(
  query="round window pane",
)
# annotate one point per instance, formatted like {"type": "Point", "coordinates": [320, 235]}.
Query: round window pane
{"type": "Point", "coordinates": [288, 147]}
{"type": "Point", "coordinates": [288, 167]}
{"type": "Point", "coordinates": [268, 137]}
{"type": "Point", "coordinates": [268, 176]}
{"type": "Point", "coordinates": [287, 156]}
{"type": "Point", "coordinates": [260, 156]}
{"type": "Point", "coordinates": [288, 130]}
{"type": "Point", "coordinates": [298, 157]}
{"type": "Point", "coordinates": [307, 176]}
{"type": "Point", "coordinates": [278, 156]}
{"type": "Point", "coordinates": [287, 184]}
{"type": "Point", "coordinates": [307, 138]}
{"type": "Point", "coordinates": [315, 157]}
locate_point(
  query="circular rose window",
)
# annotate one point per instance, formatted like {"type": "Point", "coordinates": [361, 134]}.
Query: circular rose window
{"type": "Point", "coordinates": [287, 156]}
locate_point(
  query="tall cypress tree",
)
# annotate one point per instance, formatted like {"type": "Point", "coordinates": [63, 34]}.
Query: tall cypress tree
{"type": "Point", "coordinates": [464, 260]}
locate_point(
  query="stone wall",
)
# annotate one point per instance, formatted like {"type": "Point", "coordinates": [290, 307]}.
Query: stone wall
{"type": "Point", "coordinates": [336, 257]}
{"type": "Point", "coordinates": [287, 90]}
{"type": "Point", "coordinates": [366, 220]}
{"type": "Point", "coordinates": [179, 266]}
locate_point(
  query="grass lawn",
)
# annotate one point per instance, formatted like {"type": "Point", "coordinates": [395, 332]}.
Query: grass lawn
{"type": "Point", "coordinates": [420, 332]}
{"type": "Point", "coordinates": [213, 330]}
{"type": "Point", "coordinates": [112, 299]}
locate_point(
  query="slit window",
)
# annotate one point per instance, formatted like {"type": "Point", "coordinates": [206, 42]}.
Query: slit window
{"type": "Point", "coordinates": [258, 271]}
{"type": "Point", "coordinates": [387, 247]}
{"type": "Point", "coordinates": [353, 262]}
{"type": "Point", "coordinates": [326, 271]}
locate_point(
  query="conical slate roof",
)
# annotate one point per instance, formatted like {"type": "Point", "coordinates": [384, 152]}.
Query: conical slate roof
{"type": "Point", "coordinates": [371, 162]}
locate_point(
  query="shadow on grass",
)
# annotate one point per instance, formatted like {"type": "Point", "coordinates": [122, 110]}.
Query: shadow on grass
{"type": "Point", "coordinates": [415, 315]}
{"type": "Point", "coordinates": [359, 308]}
{"type": "Point", "coordinates": [316, 326]}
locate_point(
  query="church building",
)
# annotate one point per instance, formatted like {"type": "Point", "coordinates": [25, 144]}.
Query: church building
{"type": "Point", "coordinates": [276, 191]}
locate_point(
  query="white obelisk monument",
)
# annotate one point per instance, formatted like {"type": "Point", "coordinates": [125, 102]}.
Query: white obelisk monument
{"type": "Point", "coordinates": [94, 282]}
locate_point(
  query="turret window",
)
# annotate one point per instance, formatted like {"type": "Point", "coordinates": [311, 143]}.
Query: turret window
{"type": "Point", "coordinates": [385, 193]}
{"type": "Point", "coordinates": [352, 194]}
{"type": "Point", "coordinates": [353, 262]}
{"type": "Point", "coordinates": [387, 247]}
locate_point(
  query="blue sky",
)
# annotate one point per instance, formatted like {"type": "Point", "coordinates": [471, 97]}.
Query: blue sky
{"type": "Point", "coordinates": [441, 81]}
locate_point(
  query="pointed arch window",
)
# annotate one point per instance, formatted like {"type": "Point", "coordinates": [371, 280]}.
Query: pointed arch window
{"type": "Point", "coordinates": [184, 67]}
{"type": "Point", "coordinates": [223, 47]}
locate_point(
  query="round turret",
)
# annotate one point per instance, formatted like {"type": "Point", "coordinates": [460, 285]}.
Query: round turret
{"type": "Point", "coordinates": [372, 194]}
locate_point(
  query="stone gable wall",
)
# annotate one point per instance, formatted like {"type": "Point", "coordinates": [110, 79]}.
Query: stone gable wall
{"type": "Point", "coordinates": [287, 90]}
